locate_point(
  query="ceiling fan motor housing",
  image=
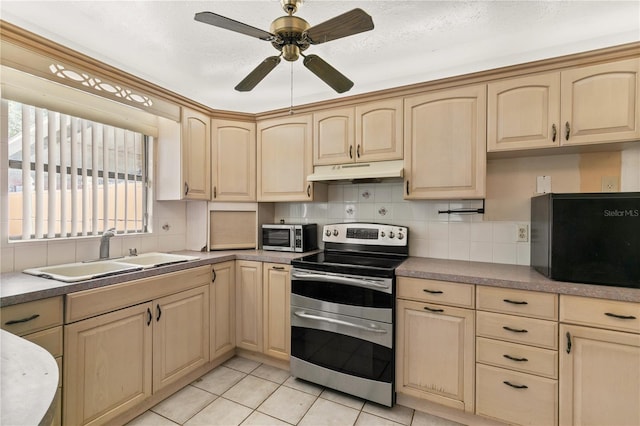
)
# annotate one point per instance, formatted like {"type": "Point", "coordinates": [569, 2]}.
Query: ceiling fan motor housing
{"type": "Point", "coordinates": [289, 30]}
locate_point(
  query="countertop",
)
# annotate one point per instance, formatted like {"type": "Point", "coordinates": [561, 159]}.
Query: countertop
{"type": "Point", "coordinates": [17, 287]}
{"type": "Point", "coordinates": [29, 377]}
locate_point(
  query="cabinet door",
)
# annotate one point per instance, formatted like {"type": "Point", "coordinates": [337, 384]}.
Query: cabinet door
{"type": "Point", "coordinates": [524, 113]}
{"type": "Point", "coordinates": [277, 312]}
{"type": "Point", "coordinates": [445, 144]}
{"type": "Point", "coordinates": [180, 335]}
{"type": "Point", "coordinates": [599, 377]}
{"type": "Point", "coordinates": [333, 137]}
{"type": "Point", "coordinates": [436, 353]}
{"type": "Point", "coordinates": [196, 139]}
{"type": "Point", "coordinates": [233, 160]}
{"type": "Point", "coordinates": [107, 365]}
{"type": "Point", "coordinates": [285, 159]}
{"type": "Point", "coordinates": [379, 131]}
{"type": "Point", "coordinates": [600, 103]}
{"type": "Point", "coordinates": [223, 310]}
{"type": "Point", "coordinates": [249, 305]}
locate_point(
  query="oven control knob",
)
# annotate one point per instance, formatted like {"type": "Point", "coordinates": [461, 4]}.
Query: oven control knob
{"type": "Point", "coordinates": [335, 232]}
{"type": "Point", "coordinates": [327, 232]}
{"type": "Point", "coordinates": [382, 234]}
{"type": "Point", "coordinates": [400, 235]}
{"type": "Point", "coordinates": [391, 234]}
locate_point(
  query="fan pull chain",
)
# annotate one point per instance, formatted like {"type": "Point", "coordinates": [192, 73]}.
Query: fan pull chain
{"type": "Point", "coordinates": [291, 107]}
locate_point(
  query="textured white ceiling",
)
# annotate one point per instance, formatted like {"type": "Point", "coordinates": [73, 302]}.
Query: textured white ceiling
{"type": "Point", "coordinates": [413, 41]}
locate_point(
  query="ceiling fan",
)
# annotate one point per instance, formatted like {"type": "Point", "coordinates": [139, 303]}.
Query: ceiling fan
{"type": "Point", "coordinates": [292, 35]}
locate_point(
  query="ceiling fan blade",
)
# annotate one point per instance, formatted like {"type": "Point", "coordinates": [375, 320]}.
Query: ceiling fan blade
{"type": "Point", "coordinates": [260, 72]}
{"type": "Point", "coordinates": [349, 23]}
{"type": "Point", "coordinates": [230, 24]}
{"type": "Point", "coordinates": [327, 73]}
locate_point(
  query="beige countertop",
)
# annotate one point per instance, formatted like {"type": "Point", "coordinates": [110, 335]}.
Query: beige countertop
{"type": "Point", "coordinates": [17, 287]}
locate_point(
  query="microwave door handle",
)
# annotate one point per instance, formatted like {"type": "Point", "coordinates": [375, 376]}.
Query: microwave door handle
{"type": "Point", "coordinates": [337, 278]}
{"type": "Point", "coordinates": [373, 328]}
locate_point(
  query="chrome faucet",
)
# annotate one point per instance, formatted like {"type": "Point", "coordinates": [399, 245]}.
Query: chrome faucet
{"type": "Point", "coordinates": [104, 243]}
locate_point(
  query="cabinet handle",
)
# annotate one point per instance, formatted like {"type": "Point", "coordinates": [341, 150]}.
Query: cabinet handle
{"type": "Point", "coordinates": [407, 187]}
{"type": "Point", "coordinates": [426, 290]}
{"type": "Point", "coordinates": [350, 151]}
{"type": "Point", "coordinates": [358, 151]}
{"type": "Point", "coordinates": [215, 192]}
{"type": "Point", "coordinates": [515, 330]}
{"type": "Point", "coordinates": [512, 358]}
{"type": "Point", "coordinates": [554, 133]}
{"type": "Point", "coordinates": [278, 268]}
{"type": "Point", "coordinates": [309, 190]}
{"type": "Point", "coordinates": [624, 317]}
{"type": "Point", "coordinates": [19, 321]}
{"type": "Point", "coordinates": [432, 309]}
{"type": "Point", "coordinates": [568, 342]}
{"type": "Point", "coordinates": [186, 188]}
{"type": "Point", "coordinates": [149, 316]}
{"type": "Point", "coordinates": [213, 280]}
{"type": "Point", "coordinates": [159, 312]}
{"type": "Point", "coordinates": [567, 130]}
{"type": "Point", "coordinates": [506, 382]}
{"type": "Point", "coordinates": [515, 302]}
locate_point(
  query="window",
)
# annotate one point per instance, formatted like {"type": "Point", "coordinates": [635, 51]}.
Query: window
{"type": "Point", "coordinates": [71, 177]}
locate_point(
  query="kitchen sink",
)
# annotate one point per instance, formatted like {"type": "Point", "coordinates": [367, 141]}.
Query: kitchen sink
{"type": "Point", "coordinates": [71, 272]}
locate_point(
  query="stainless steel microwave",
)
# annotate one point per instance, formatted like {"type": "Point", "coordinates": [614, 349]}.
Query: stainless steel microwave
{"type": "Point", "coordinates": [289, 237]}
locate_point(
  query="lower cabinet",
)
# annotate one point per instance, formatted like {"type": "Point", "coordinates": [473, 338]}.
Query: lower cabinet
{"type": "Point", "coordinates": [118, 359]}
{"type": "Point", "coordinates": [263, 293]}
{"type": "Point", "coordinates": [435, 343]}
{"type": "Point", "coordinates": [223, 309]}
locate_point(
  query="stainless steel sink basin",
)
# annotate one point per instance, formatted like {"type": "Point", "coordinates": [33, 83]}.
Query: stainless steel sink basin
{"type": "Point", "coordinates": [72, 272]}
{"type": "Point", "coordinates": [152, 260]}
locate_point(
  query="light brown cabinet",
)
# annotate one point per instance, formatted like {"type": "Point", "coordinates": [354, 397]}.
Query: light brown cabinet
{"type": "Point", "coordinates": [445, 144]}
{"type": "Point", "coordinates": [223, 309]}
{"type": "Point", "coordinates": [277, 311]}
{"type": "Point", "coordinates": [125, 342]}
{"type": "Point", "coordinates": [249, 305]}
{"type": "Point", "coordinates": [599, 365]}
{"type": "Point", "coordinates": [517, 356]}
{"type": "Point", "coordinates": [435, 343]}
{"type": "Point", "coordinates": [285, 159]}
{"type": "Point", "coordinates": [582, 105]}
{"type": "Point", "coordinates": [364, 133]}
{"type": "Point", "coordinates": [233, 160]}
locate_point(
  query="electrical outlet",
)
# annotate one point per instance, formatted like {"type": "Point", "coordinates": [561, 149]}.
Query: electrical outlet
{"type": "Point", "coordinates": [523, 233]}
{"type": "Point", "coordinates": [610, 184]}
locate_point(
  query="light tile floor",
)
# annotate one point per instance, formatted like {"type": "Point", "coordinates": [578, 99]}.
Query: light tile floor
{"type": "Point", "coordinates": [245, 392]}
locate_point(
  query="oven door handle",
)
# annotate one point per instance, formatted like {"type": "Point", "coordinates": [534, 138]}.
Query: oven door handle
{"type": "Point", "coordinates": [373, 328]}
{"type": "Point", "coordinates": [344, 280]}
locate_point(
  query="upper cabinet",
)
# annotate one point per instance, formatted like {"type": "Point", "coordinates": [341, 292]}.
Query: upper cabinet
{"type": "Point", "coordinates": [183, 157]}
{"type": "Point", "coordinates": [585, 105]}
{"type": "Point", "coordinates": [285, 160]}
{"type": "Point", "coordinates": [368, 132]}
{"type": "Point", "coordinates": [445, 144]}
{"type": "Point", "coordinates": [233, 160]}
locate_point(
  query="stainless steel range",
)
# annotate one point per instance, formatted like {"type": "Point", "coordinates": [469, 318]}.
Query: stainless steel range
{"type": "Point", "coordinates": [343, 310]}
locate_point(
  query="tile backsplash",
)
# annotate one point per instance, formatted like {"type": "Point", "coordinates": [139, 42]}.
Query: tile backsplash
{"type": "Point", "coordinates": [431, 234]}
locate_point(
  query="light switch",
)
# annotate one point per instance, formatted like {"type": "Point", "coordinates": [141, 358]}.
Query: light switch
{"type": "Point", "coordinates": [543, 184]}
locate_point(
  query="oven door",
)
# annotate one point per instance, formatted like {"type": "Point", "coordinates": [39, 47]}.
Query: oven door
{"type": "Point", "coordinates": [278, 238]}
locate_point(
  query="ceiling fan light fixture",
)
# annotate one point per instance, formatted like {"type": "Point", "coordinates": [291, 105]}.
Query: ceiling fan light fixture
{"type": "Point", "coordinates": [290, 52]}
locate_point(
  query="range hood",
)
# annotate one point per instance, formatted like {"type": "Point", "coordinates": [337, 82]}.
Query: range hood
{"type": "Point", "coordinates": [358, 171]}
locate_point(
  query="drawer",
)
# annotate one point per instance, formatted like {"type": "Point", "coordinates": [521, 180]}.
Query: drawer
{"type": "Point", "coordinates": [512, 328]}
{"type": "Point", "coordinates": [30, 317]}
{"type": "Point", "coordinates": [611, 314]}
{"type": "Point", "coordinates": [514, 356]}
{"type": "Point", "coordinates": [442, 292]}
{"type": "Point", "coordinates": [517, 302]}
{"type": "Point", "coordinates": [523, 400]}
{"type": "Point", "coordinates": [50, 339]}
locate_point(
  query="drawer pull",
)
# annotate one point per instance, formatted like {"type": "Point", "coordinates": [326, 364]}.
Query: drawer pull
{"type": "Point", "coordinates": [516, 302]}
{"type": "Point", "coordinates": [426, 290]}
{"type": "Point", "coordinates": [508, 383]}
{"type": "Point", "coordinates": [629, 317]}
{"type": "Point", "coordinates": [433, 310]}
{"type": "Point", "coordinates": [278, 268]}
{"type": "Point", "coordinates": [515, 330]}
{"type": "Point", "coordinates": [32, 317]}
{"type": "Point", "coordinates": [512, 358]}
